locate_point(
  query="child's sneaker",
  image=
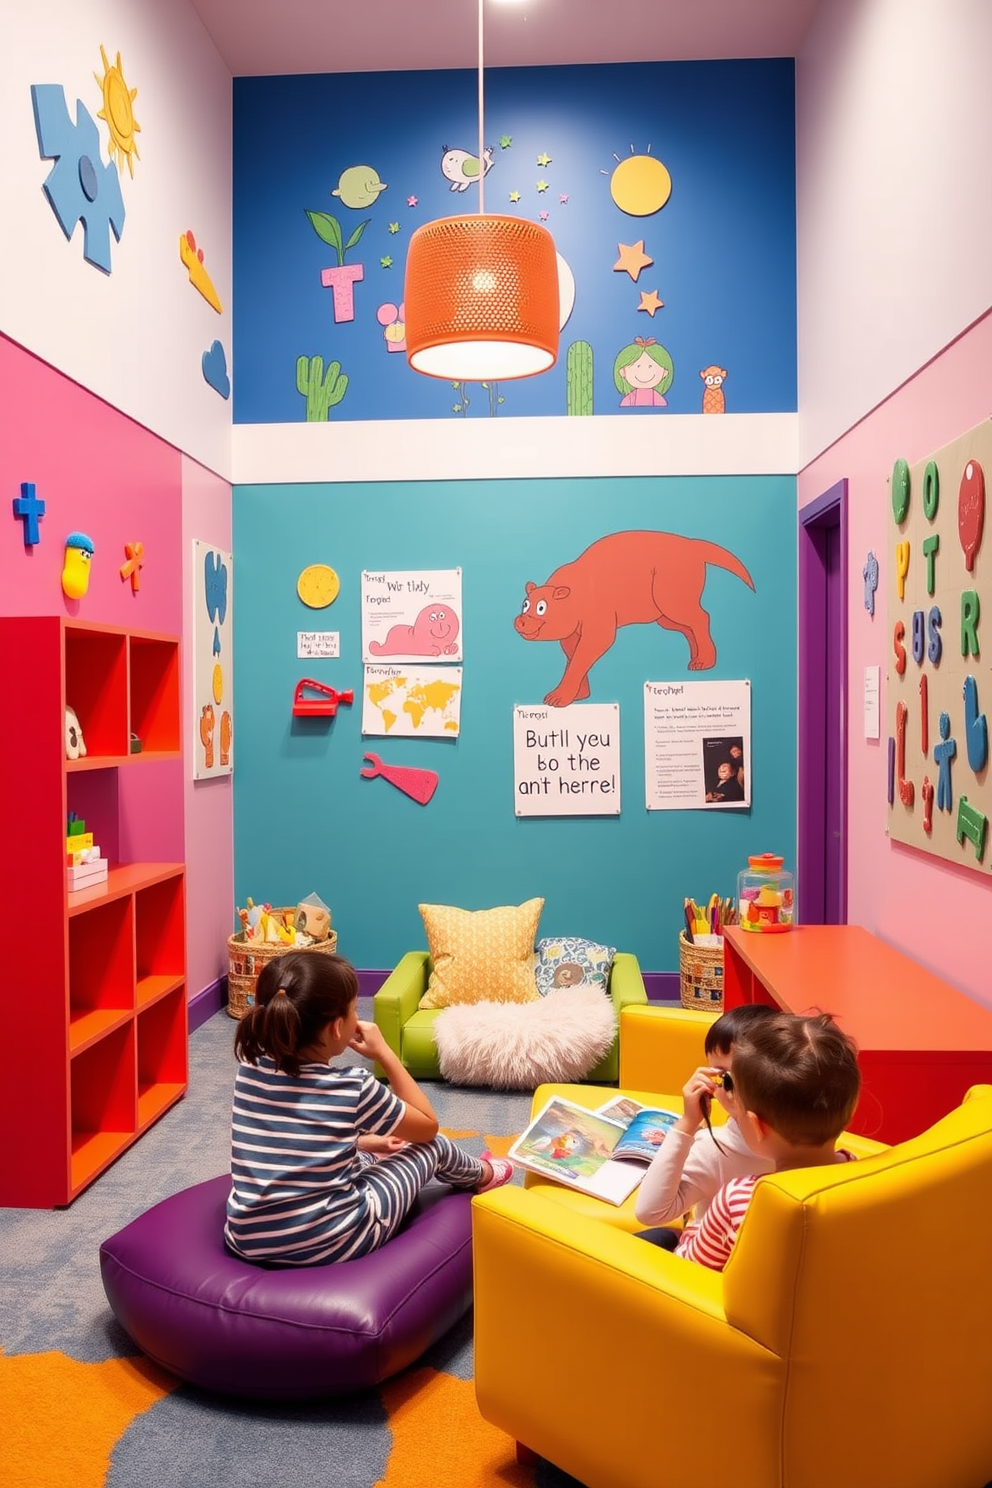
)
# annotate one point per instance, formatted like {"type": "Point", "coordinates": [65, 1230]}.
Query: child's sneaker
{"type": "Point", "coordinates": [502, 1172]}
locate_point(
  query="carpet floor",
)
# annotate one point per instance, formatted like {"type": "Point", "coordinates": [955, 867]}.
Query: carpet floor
{"type": "Point", "coordinates": [81, 1409]}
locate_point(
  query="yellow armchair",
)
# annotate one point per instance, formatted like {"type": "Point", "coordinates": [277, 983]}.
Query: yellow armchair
{"type": "Point", "coordinates": [841, 1345]}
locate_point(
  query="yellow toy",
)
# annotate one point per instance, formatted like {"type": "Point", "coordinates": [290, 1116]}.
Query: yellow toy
{"type": "Point", "coordinates": [79, 552]}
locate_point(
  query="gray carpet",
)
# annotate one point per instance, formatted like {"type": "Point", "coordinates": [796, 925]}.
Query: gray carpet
{"type": "Point", "coordinates": [54, 1299]}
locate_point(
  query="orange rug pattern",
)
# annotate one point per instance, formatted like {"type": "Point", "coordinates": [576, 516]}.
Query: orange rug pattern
{"type": "Point", "coordinates": [61, 1419]}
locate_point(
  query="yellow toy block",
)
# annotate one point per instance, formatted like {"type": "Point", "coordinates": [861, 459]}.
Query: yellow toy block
{"type": "Point", "coordinates": [79, 843]}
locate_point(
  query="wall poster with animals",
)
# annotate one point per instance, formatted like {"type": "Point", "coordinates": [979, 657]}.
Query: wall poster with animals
{"type": "Point", "coordinates": [939, 684]}
{"type": "Point", "coordinates": [213, 662]}
{"type": "Point", "coordinates": [412, 615]}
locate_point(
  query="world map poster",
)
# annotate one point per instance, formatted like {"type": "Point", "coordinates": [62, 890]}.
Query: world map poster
{"type": "Point", "coordinates": [412, 701]}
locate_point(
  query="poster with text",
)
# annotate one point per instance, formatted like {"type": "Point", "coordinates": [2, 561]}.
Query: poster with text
{"type": "Point", "coordinates": [412, 614]}
{"type": "Point", "coordinates": [566, 761]}
{"type": "Point", "coordinates": [213, 662]}
{"type": "Point", "coordinates": [697, 745]}
{"type": "Point", "coordinates": [412, 702]}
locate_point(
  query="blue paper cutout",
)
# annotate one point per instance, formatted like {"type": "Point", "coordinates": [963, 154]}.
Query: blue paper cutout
{"type": "Point", "coordinates": [216, 641]}
{"type": "Point", "coordinates": [870, 575]}
{"type": "Point", "coordinates": [215, 588]}
{"type": "Point", "coordinates": [215, 369]}
{"type": "Point", "coordinates": [80, 186]}
{"type": "Point", "coordinates": [29, 508]}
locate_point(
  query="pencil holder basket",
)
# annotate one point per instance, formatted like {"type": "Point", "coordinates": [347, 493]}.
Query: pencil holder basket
{"type": "Point", "coordinates": [701, 975]}
{"type": "Point", "coordinates": [247, 957]}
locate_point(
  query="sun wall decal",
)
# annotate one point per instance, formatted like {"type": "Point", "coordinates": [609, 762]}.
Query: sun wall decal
{"type": "Point", "coordinates": [118, 112]}
{"type": "Point", "coordinates": [640, 185]}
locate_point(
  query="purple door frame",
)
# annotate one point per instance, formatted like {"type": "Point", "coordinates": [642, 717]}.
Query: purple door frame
{"type": "Point", "coordinates": [822, 815]}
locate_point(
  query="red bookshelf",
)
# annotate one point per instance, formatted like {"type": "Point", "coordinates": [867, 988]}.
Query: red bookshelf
{"type": "Point", "coordinates": [93, 1000]}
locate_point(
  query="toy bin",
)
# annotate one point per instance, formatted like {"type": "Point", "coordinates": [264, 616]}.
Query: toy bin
{"type": "Point", "coordinates": [701, 975]}
{"type": "Point", "coordinates": [247, 957]}
{"type": "Point", "coordinates": [766, 897]}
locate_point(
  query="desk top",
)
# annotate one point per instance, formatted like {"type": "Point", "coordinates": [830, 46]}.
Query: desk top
{"type": "Point", "coordinates": [878, 995]}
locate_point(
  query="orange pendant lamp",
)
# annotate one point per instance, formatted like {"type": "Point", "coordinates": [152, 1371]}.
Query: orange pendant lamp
{"type": "Point", "coordinates": [481, 294]}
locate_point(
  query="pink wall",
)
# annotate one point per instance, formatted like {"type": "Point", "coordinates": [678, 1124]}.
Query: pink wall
{"type": "Point", "coordinates": [100, 473]}
{"type": "Point", "coordinates": [209, 803]}
{"type": "Point", "coordinates": [933, 911]}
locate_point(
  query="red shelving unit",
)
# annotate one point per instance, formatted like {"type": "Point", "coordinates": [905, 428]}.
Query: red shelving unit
{"type": "Point", "coordinates": [93, 1001]}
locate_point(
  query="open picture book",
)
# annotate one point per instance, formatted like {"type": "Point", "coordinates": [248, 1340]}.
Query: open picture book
{"type": "Point", "coordinates": [603, 1153]}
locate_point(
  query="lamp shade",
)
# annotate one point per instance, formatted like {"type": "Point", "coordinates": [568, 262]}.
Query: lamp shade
{"type": "Point", "coordinates": [481, 299]}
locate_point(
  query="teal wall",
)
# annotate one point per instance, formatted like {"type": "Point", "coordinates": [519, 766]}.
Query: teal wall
{"type": "Point", "coordinates": [304, 818]}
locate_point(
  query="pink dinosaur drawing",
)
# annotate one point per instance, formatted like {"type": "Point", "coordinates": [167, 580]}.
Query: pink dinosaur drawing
{"type": "Point", "coordinates": [433, 633]}
{"type": "Point", "coordinates": [627, 578]}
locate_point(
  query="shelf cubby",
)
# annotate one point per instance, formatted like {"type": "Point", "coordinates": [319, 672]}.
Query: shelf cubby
{"type": "Point", "coordinates": [154, 694]}
{"type": "Point", "coordinates": [96, 687]}
{"type": "Point", "coordinates": [159, 939]}
{"type": "Point", "coordinates": [101, 969]}
{"type": "Point", "coordinates": [162, 1055]}
{"type": "Point", "coordinates": [103, 1104]}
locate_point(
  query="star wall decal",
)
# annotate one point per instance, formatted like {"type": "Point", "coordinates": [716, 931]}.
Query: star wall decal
{"type": "Point", "coordinates": [505, 141]}
{"type": "Point", "coordinates": [411, 201]}
{"type": "Point", "coordinates": [394, 227]}
{"type": "Point", "coordinates": [386, 263]}
{"type": "Point", "coordinates": [544, 160]}
{"type": "Point", "coordinates": [650, 302]}
{"type": "Point", "coordinates": [632, 259]}
{"type": "Point", "coordinates": [514, 196]}
{"type": "Point", "coordinates": [541, 185]}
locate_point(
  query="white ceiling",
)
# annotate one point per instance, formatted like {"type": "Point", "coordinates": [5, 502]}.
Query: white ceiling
{"type": "Point", "coordinates": [256, 37]}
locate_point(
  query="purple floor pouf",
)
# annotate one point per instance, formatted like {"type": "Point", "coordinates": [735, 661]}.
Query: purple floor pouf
{"type": "Point", "coordinates": [239, 1329]}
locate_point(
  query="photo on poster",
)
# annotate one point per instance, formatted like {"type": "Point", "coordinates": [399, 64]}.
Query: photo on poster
{"type": "Point", "coordinates": [723, 770]}
{"type": "Point", "coordinates": [412, 615]}
{"type": "Point", "coordinates": [697, 746]}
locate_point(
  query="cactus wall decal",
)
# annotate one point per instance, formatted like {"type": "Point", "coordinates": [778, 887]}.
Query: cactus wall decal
{"type": "Point", "coordinates": [578, 378]}
{"type": "Point", "coordinates": [321, 390]}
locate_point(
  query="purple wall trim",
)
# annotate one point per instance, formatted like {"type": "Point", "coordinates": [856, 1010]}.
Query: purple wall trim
{"type": "Point", "coordinates": [206, 1003]}
{"type": "Point", "coordinates": [827, 510]}
{"type": "Point", "coordinates": [661, 986]}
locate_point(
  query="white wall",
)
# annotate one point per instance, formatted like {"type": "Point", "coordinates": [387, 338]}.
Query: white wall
{"type": "Point", "coordinates": [894, 203]}
{"type": "Point", "coordinates": [134, 337]}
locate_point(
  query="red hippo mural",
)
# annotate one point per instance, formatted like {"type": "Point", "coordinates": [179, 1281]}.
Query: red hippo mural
{"type": "Point", "coordinates": [627, 578]}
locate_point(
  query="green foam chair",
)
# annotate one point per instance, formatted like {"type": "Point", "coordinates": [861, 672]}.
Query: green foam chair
{"type": "Point", "coordinates": [409, 1031]}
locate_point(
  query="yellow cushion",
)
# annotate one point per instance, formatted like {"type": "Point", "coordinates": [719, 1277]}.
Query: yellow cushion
{"type": "Point", "coordinates": [483, 954]}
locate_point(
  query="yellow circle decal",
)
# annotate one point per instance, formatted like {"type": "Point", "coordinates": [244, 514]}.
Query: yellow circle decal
{"type": "Point", "coordinates": [318, 586]}
{"type": "Point", "coordinates": [218, 683]}
{"type": "Point", "coordinates": [640, 185]}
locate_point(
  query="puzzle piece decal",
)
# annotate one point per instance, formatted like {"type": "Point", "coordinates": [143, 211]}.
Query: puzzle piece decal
{"type": "Point", "coordinates": [80, 186]}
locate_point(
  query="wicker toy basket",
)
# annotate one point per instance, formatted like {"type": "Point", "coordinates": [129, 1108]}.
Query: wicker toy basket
{"type": "Point", "coordinates": [701, 975]}
{"type": "Point", "coordinates": [247, 957]}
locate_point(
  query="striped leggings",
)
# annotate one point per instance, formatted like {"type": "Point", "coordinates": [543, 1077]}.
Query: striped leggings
{"type": "Point", "coordinates": [394, 1181]}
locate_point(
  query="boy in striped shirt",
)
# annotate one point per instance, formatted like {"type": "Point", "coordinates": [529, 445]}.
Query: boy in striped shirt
{"type": "Point", "coordinates": [794, 1087]}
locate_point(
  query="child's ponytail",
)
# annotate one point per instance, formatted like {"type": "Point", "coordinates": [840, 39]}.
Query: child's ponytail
{"type": "Point", "coordinates": [297, 996]}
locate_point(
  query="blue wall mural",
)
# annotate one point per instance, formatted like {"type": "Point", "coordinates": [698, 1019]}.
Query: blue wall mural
{"type": "Point", "coordinates": [669, 189]}
{"type": "Point", "coordinates": [305, 818]}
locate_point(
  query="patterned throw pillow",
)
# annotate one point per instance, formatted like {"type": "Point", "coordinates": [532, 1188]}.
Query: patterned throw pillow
{"type": "Point", "coordinates": [481, 955]}
{"type": "Point", "coordinates": [571, 961]}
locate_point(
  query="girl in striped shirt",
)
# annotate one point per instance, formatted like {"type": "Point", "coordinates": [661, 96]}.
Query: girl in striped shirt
{"type": "Point", "coordinates": [794, 1087]}
{"type": "Point", "coordinates": [326, 1161]}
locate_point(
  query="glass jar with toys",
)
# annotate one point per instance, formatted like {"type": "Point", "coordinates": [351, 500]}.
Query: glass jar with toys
{"type": "Point", "coordinates": [766, 899]}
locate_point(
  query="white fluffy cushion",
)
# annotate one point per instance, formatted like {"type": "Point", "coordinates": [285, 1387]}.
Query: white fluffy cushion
{"type": "Point", "coordinates": [518, 1046]}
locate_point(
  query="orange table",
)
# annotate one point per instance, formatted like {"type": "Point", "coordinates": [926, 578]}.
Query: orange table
{"type": "Point", "coordinates": [921, 1042]}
